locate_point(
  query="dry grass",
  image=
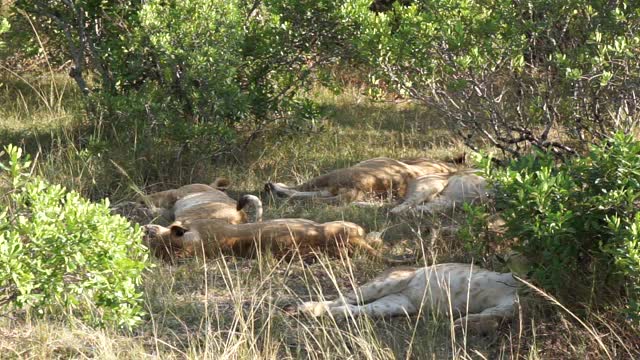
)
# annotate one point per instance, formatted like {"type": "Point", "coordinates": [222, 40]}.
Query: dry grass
{"type": "Point", "coordinates": [237, 308]}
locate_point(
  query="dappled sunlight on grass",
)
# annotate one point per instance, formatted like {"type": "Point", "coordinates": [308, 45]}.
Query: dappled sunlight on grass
{"type": "Point", "coordinates": [37, 104]}
{"type": "Point", "coordinates": [241, 308]}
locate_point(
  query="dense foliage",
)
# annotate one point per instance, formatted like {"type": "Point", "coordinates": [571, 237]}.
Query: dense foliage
{"type": "Point", "coordinates": [553, 74]}
{"type": "Point", "coordinates": [577, 222]}
{"type": "Point", "coordinates": [198, 74]}
{"type": "Point", "coordinates": [61, 254]}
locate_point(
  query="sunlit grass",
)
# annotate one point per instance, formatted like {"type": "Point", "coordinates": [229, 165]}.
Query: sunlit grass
{"type": "Point", "coordinates": [239, 308]}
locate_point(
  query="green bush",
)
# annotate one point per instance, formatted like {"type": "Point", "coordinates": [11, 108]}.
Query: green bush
{"type": "Point", "coordinates": [201, 75]}
{"type": "Point", "coordinates": [577, 221]}
{"type": "Point", "coordinates": [514, 73]}
{"type": "Point", "coordinates": [61, 254]}
{"type": "Point", "coordinates": [228, 70]}
{"type": "Point", "coordinates": [474, 231]}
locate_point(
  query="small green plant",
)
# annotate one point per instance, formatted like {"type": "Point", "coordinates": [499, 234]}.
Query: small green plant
{"type": "Point", "coordinates": [62, 254]}
{"type": "Point", "coordinates": [4, 27]}
{"type": "Point", "coordinates": [474, 231]}
{"type": "Point", "coordinates": [577, 221]}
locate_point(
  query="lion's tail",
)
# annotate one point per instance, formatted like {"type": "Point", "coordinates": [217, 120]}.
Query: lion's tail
{"type": "Point", "coordinates": [317, 183]}
{"type": "Point", "coordinates": [255, 202]}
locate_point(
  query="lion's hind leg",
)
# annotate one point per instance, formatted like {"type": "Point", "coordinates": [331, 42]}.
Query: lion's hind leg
{"type": "Point", "coordinates": [390, 305]}
{"type": "Point", "coordinates": [379, 297]}
{"type": "Point", "coordinates": [437, 205]}
{"type": "Point", "coordinates": [327, 197]}
{"type": "Point", "coordinates": [420, 190]}
{"type": "Point", "coordinates": [391, 281]}
{"type": "Point", "coordinates": [486, 321]}
{"type": "Point", "coordinates": [285, 191]}
{"type": "Point", "coordinates": [344, 196]}
{"type": "Point", "coordinates": [318, 308]}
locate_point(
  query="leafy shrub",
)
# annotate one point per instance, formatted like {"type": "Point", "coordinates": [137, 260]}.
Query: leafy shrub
{"type": "Point", "coordinates": [231, 69]}
{"type": "Point", "coordinates": [204, 75]}
{"type": "Point", "coordinates": [577, 222]}
{"type": "Point", "coordinates": [60, 253]}
{"type": "Point", "coordinates": [475, 232]}
{"type": "Point", "coordinates": [516, 73]}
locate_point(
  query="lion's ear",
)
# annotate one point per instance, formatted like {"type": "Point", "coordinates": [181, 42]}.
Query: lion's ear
{"type": "Point", "coordinates": [221, 183]}
{"type": "Point", "coordinates": [178, 230]}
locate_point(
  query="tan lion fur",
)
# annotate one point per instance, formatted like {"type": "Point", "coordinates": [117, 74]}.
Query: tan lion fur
{"type": "Point", "coordinates": [379, 176]}
{"type": "Point", "coordinates": [440, 192]}
{"type": "Point", "coordinates": [197, 201]}
{"type": "Point", "coordinates": [480, 299]}
{"type": "Point", "coordinates": [282, 237]}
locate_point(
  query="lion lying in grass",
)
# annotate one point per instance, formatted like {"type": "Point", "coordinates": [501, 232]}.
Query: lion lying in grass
{"type": "Point", "coordinates": [441, 192]}
{"type": "Point", "coordinates": [379, 176]}
{"type": "Point", "coordinates": [282, 237]}
{"type": "Point", "coordinates": [200, 201]}
{"type": "Point", "coordinates": [480, 299]}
